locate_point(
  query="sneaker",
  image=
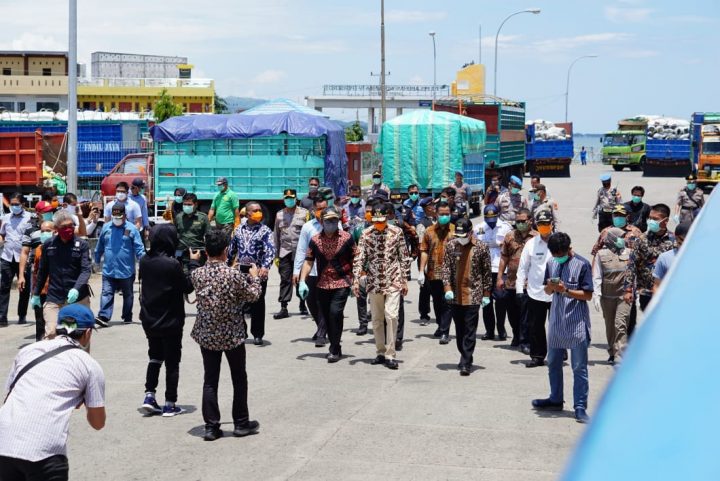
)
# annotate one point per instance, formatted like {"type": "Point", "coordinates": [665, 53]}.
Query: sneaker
{"type": "Point", "coordinates": [251, 427]}
{"type": "Point", "coordinates": [150, 405]}
{"type": "Point", "coordinates": [212, 432]}
{"type": "Point", "coordinates": [424, 320]}
{"type": "Point", "coordinates": [102, 322]}
{"type": "Point", "coordinates": [170, 410]}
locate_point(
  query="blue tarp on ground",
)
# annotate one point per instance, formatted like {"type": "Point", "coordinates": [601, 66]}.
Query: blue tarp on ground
{"type": "Point", "coordinates": [235, 126]}
{"type": "Point", "coordinates": [659, 418]}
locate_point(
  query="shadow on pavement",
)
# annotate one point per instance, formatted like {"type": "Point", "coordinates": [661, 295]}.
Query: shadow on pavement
{"type": "Point", "coordinates": [199, 431]}
{"type": "Point", "coordinates": [187, 409]}
{"type": "Point", "coordinates": [506, 347]}
{"type": "Point", "coordinates": [454, 367]}
{"type": "Point", "coordinates": [553, 414]}
{"type": "Point", "coordinates": [302, 339]}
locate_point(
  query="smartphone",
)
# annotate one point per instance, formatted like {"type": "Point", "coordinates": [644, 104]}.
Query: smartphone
{"type": "Point", "coordinates": [554, 280]}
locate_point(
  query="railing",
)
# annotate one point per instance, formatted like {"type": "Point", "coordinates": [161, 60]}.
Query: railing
{"type": "Point", "coordinates": [149, 82]}
{"type": "Point", "coordinates": [424, 91]}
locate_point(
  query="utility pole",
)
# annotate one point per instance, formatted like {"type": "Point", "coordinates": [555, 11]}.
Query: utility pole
{"type": "Point", "coordinates": [382, 62]}
{"type": "Point", "coordinates": [72, 100]}
{"type": "Point", "coordinates": [432, 34]}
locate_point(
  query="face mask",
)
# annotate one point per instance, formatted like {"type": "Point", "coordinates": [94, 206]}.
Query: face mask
{"type": "Point", "coordinates": [619, 222]}
{"type": "Point", "coordinates": [71, 208]}
{"type": "Point", "coordinates": [636, 199]}
{"type": "Point", "coordinates": [318, 214]}
{"type": "Point", "coordinates": [118, 221]}
{"type": "Point", "coordinates": [444, 219]}
{"type": "Point", "coordinates": [121, 196]}
{"type": "Point", "coordinates": [380, 225]}
{"type": "Point", "coordinates": [463, 241]}
{"type": "Point", "coordinates": [66, 233]}
{"type": "Point", "coordinates": [47, 216]}
{"type": "Point", "coordinates": [492, 222]}
{"type": "Point", "coordinates": [330, 227]}
{"type": "Point", "coordinates": [561, 259]}
{"type": "Point", "coordinates": [368, 216]}
{"type": "Point", "coordinates": [221, 188]}
{"type": "Point", "coordinates": [620, 243]}
{"type": "Point", "coordinates": [514, 190]}
{"type": "Point", "coordinates": [330, 202]}
{"type": "Point", "coordinates": [414, 197]}
{"type": "Point", "coordinates": [691, 186]}
{"type": "Point", "coordinates": [290, 203]}
{"type": "Point", "coordinates": [16, 209]}
{"type": "Point", "coordinates": [256, 216]}
{"type": "Point", "coordinates": [535, 196]}
{"type": "Point", "coordinates": [188, 209]}
{"type": "Point", "coordinates": [355, 200]}
{"type": "Point", "coordinates": [313, 189]}
{"type": "Point", "coordinates": [178, 199]}
{"type": "Point", "coordinates": [544, 229]}
{"type": "Point", "coordinates": [522, 226]}
{"type": "Point", "coordinates": [377, 180]}
{"type": "Point", "coordinates": [45, 236]}
{"type": "Point", "coordinates": [653, 225]}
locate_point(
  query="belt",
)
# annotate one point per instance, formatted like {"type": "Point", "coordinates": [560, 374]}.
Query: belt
{"type": "Point", "coordinates": [244, 269]}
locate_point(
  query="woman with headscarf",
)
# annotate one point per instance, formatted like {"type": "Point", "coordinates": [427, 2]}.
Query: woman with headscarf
{"type": "Point", "coordinates": [162, 313]}
{"type": "Point", "coordinates": [175, 205]}
{"type": "Point", "coordinates": [609, 271]}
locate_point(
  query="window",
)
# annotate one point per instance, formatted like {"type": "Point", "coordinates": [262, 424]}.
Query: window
{"type": "Point", "coordinates": [47, 72]}
{"type": "Point", "coordinates": [20, 106]}
{"type": "Point", "coordinates": [135, 166]}
{"type": "Point", "coordinates": [54, 106]}
{"type": "Point", "coordinates": [9, 106]}
{"type": "Point", "coordinates": [7, 71]}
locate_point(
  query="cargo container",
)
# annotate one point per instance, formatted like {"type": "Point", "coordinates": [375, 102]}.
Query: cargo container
{"type": "Point", "coordinates": [21, 160]}
{"type": "Point", "coordinates": [549, 157]}
{"type": "Point", "coordinates": [705, 141]}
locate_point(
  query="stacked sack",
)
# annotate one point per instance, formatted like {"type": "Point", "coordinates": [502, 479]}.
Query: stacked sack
{"type": "Point", "coordinates": [546, 130]}
{"type": "Point", "coordinates": [666, 128]}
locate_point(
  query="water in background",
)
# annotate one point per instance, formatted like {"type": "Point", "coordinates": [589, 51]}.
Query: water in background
{"type": "Point", "coordinates": [592, 145]}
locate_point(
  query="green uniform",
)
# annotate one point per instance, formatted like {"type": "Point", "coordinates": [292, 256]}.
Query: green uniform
{"type": "Point", "coordinates": [224, 205]}
{"type": "Point", "coordinates": [191, 229]}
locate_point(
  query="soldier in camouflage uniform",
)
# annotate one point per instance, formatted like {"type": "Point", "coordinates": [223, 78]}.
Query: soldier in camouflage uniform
{"type": "Point", "coordinates": [607, 199]}
{"type": "Point", "coordinates": [510, 201]}
{"type": "Point", "coordinates": [620, 220]}
{"type": "Point", "coordinates": [689, 201]}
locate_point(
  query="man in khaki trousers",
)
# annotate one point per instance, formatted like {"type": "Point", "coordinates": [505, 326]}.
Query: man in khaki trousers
{"type": "Point", "coordinates": [384, 261]}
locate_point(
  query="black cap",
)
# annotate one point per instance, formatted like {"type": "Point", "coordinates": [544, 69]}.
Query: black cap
{"type": "Point", "coordinates": [691, 178]}
{"type": "Point", "coordinates": [463, 227]}
{"type": "Point", "coordinates": [118, 208]}
{"type": "Point", "coordinates": [291, 193]}
{"type": "Point", "coordinates": [380, 212]}
{"type": "Point", "coordinates": [138, 182]}
{"type": "Point", "coordinates": [425, 201]}
{"type": "Point", "coordinates": [330, 213]}
{"type": "Point", "coordinates": [543, 217]}
{"type": "Point", "coordinates": [326, 193]}
{"type": "Point", "coordinates": [377, 174]}
{"type": "Point", "coordinates": [381, 195]}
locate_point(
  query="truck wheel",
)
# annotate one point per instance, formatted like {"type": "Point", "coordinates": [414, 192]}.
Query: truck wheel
{"type": "Point", "coordinates": [618, 168]}
{"type": "Point", "coordinates": [642, 164]}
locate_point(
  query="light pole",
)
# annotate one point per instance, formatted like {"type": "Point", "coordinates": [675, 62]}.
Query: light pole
{"type": "Point", "coordinates": [534, 11]}
{"type": "Point", "coordinates": [432, 34]}
{"type": "Point", "coordinates": [567, 85]}
{"type": "Point", "coordinates": [382, 62]}
{"type": "Point", "coordinates": [72, 98]}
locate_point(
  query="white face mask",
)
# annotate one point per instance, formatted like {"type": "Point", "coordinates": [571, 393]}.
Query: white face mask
{"type": "Point", "coordinates": [71, 208]}
{"type": "Point", "coordinates": [463, 241]}
{"type": "Point", "coordinates": [121, 196]}
{"type": "Point", "coordinates": [118, 221]}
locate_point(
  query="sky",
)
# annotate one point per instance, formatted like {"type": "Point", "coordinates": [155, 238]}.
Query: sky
{"type": "Point", "coordinates": [654, 57]}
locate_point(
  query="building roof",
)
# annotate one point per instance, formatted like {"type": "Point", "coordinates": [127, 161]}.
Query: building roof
{"type": "Point", "coordinates": [32, 53]}
{"type": "Point", "coordinates": [280, 105]}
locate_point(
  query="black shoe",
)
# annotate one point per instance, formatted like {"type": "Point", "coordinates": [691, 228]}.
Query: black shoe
{"type": "Point", "coordinates": [611, 360]}
{"type": "Point", "coordinates": [251, 427]}
{"type": "Point", "coordinates": [444, 339]}
{"type": "Point", "coordinates": [535, 363]}
{"type": "Point", "coordinates": [398, 345]}
{"type": "Point", "coordinates": [304, 311]}
{"type": "Point", "coordinates": [514, 343]}
{"type": "Point", "coordinates": [3, 323]}
{"type": "Point", "coordinates": [362, 330]}
{"type": "Point", "coordinates": [547, 404]}
{"type": "Point", "coordinates": [502, 337]}
{"type": "Point", "coordinates": [465, 370]}
{"type": "Point", "coordinates": [258, 341]}
{"type": "Point", "coordinates": [333, 357]}
{"type": "Point", "coordinates": [437, 333]}
{"type": "Point", "coordinates": [391, 364]}
{"type": "Point", "coordinates": [283, 314]}
{"type": "Point", "coordinates": [22, 320]}
{"type": "Point", "coordinates": [487, 337]}
{"type": "Point", "coordinates": [581, 416]}
{"type": "Point", "coordinates": [212, 433]}
{"type": "Point", "coordinates": [378, 360]}
{"type": "Point", "coordinates": [320, 342]}
{"type": "Point", "coordinates": [129, 321]}
{"type": "Point", "coordinates": [525, 350]}
{"type": "Point", "coordinates": [314, 338]}
{"type": "Point", "coordinates": [102, 322]}
{"type": "Point", "coordinates": [424, 320]}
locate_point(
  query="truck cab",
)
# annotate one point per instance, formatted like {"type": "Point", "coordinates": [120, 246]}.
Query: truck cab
{"type": "Point", "coordinates": [624, 148]}
{"type": "Point", "coordinates": [706, 148]}
{"type": "Point", "coordinates": [129, 168]}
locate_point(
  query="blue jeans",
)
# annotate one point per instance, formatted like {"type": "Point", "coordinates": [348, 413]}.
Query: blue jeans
{"type": "Point", "coordinates": [107, 299]}
{"type": "Point", "coordinates": [578, 361]}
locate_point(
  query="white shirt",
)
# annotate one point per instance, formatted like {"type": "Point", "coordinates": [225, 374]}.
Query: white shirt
{"type": "Point", "coordinates": [493, 239]}
{"type": "Point", "coordinates": [533, 260]}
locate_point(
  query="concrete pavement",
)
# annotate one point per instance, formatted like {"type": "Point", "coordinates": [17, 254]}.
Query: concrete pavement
{"type": "Point", "coordinates": [349, 420]}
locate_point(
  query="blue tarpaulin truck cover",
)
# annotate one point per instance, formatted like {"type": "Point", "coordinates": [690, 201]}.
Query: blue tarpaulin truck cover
{"type": "Point", "coordinates": [204, 127]}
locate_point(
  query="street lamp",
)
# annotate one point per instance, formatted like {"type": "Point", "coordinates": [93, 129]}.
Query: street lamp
{"type": "Point", "coordinates": [567, 85]}
{"type": "Point", "coordinates": [432, 34]}
{"type": "Point", "coordinates": [534, 11]}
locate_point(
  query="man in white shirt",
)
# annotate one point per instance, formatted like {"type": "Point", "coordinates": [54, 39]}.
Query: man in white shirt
{"type": "Point", "coordinates": [533, 261]}
{"type": "Point", "coordinates": [491, 232]}
{"type": "Point", "coordinates": [132, 209]}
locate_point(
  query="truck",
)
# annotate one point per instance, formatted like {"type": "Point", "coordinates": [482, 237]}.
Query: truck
{"type": "Point", "coordinates": [25, 159]}
{"type": "Point", "coordinates": [260, 155]}
{"type": "Point", "coordinates": [426, 148]}
{"type": "Point", "coordinates": [504, 153]}
{"type": "Point", "coordinates": [653, 144]}
{"type": "Point", "coordinates": [131, 167]}
{"type": "Point", "coordinates": [705, 141]}
{"type": "Point", "coordinates": [549, 148]}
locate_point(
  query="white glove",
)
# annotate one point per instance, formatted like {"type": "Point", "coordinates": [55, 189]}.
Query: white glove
{"type": "Point", "coordinates": [676, 218]}
{"type": "Point", "coordinates": [596, 302]}
{"type": "Point", "coordinates": [421, 279]}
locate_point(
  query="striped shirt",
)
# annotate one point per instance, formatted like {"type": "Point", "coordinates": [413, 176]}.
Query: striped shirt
{"type": "Point", "coordinates": [569, 320]}
{"type": "Point", "coordinates": [35, 419]}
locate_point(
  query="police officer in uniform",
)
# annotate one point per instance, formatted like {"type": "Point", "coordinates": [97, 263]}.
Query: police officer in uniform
{"type": "Point", "coordinates": [607, 198]}
{"type": "Point", "coordinates": [689, 201]}
{"type": "Point", "coordinates": [288, 224]}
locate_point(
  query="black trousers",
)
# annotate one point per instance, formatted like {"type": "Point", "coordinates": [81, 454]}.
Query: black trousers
{"type": "Point", "coordinates": [443, 316]}
{"type": "Point", "coordinates": [8, 271]}
{"type": "Point", "coordinates": [54, 468]}
{"type": "Point", "coordinates": [537, 316]}
{"type": "Point", "coordinates": [466, 321]}
{"type": "Point", "coordinates": [256, 310]}
{"type": "Point", "coordinates": [313, 306]}
{"type": "Point", "coordinates": [604, 220]}
{"type": "Point", "coordinates": [285, 269]}
{"type": "Point", "coordinates": [494, 313]}
{"type": "Point", "coordinates": [362, 307]}
{"type": "Point", "coordinates": [514, 308]}
{"type": "Point", "coordinates": [238, 374]}
{"type": "Point", "coordinates": [424, 300]}
{"type": "Point", "coordinates": [632, 322]}
{"type": "Point", "coordinates": [40, 319]}
{"type": "Point", "coordinates": [332, 306]}
{"type": "Point", "coordinates": [168, 350]}
{"type": "Point", "coordinates": [400, 334]}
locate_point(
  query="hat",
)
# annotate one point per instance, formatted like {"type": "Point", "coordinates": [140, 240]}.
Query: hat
{"type": "Point", "coordinates": [221, 181]}
{"type": "Point", "coordinates": [543, 216]}
{"type": "Point", "coordinates": [425, 201]}
{"type": "Point", "coordinates": [539, 187]}
{"type": "Point", "coordinates": [382, 195]}
{"type": "Point", "coordinates": [691, 178]}
{"type": "Point", "coordinates": [43, 207]}
{"type": "Point", "coordinates": [118, 209]}
{"type": "Point", "coordinates": [330, 213]}
{"type": "Point", "coordinates": [138, 182]}
{"type": "Point", "coordinates": [460, 173]}
{"type": "Point", "coordinates": [605, 178]}
{"type": "Point", "coordinates": [612, 234]}
{"type": "Point", "coordinates": [463, 228]}
{"type": "Point", "coordinates": [82, 316]}
{"type": "Point", "coordinates": [619, 209]}
{"type": "Point", "coordinates": [290, 193]}
{"type": "Point", "coordinates": [379, 213]}
{"type": "Point", "coordinates": [515, 180]}
{"type": "Point", "coordinates": [377, 174]}
{"type": "Point", "coordinates": [326, 193]}
{"type": "Point", "coordinates": [490, 210]}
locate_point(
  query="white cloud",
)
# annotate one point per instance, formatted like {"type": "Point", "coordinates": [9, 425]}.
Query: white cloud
{"type": "Point", "coordinates": [270, 76]}
{"type": "Point", "coordinates": [570, 43]}
{"type": "Point", "coordinates": [413, 16]}
{"type": "Point", "coordinates": [31, 41]}
{"type": "Point", "coordinates": [622, 14]}
{"type": "Point", "coordinates": [638, 53]}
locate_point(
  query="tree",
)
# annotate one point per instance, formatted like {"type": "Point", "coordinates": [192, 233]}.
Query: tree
{"type": "Point", "coordinates": [354, 133]}
{"type": "Point", "coordinates": [220, 105]}
{"type": "Point", "coordinates": [166, 108]}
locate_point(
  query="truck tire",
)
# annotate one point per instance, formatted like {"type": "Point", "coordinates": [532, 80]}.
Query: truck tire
{"type": "Point", "coordinates": [642, 164]}
{"type": "Point", "coordinates": [618, 168]}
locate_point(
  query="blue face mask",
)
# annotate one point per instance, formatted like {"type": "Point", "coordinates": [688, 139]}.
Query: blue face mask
{"type": "Point", "coordinates": [47, 216]}
{"type": "Point", "coordinates": [178, 199]}
{"type": "Point", "coordinates": [330, 227]}
{"type": "Point", "coordinates": [330, 202]}
{"type": "Point", "coordinates": [45, 236]}
{"type": "Point", "coordinates": [443, 219]}
{"type": "Point", "coordinates": [491, 222]}
{"type": "Point", "coordinates": [355, 200]}
{"type": "Point", "coordinates": [691, 186]}
{"type": "Point", "coordinates": [653, 225]}
{"type": "Point", "coordinates": [636, 199]}
{"type": "Point", "coordinates": [562, 259]}
{"type": "Point", "coordinates": [619, 222]}
{"type": "Point", "coordinates": [376, 180]}
{"type": "Point", "coordinates": [290, 203]}
{"type": "Point", "coordinates": [414, 197]}
{"type": "Point", "coordinates": [16, 209]}
{"type": "Point", "coordinates": [620, 243]}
